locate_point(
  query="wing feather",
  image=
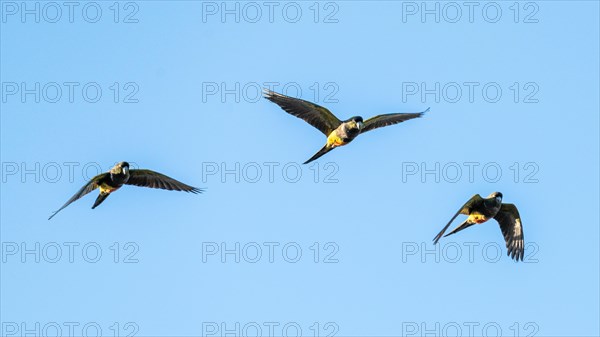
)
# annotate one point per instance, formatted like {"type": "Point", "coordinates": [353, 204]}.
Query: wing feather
{"type": "Point", "coordinates": [313, 114]}
{"type": "Point", "coordinates": [389, 119]}
{"type": "Point", "coordinates": [512, 229]}
{"type": "Point", "coordinates": [93, 184]}
{"type": "Point", "coordinates": [148, 178]}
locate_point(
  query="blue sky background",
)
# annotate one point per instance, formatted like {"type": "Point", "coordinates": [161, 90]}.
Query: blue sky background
{"type": "Point", "coordinates": [371, 213]}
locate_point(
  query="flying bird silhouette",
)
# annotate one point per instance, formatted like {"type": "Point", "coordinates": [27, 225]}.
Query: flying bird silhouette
{"type": "Point", "coordinates": [120, 175]}
{"type": "Point", "coordinates": [480, 210]}
{"type": "Point", "coordinates": [338, 133]}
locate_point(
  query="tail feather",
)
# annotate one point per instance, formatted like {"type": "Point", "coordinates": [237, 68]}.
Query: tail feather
{"type": "Point", "coordinates": [100, 199]}
{"type": "Point", "coordinates": [465, 224]}
{"type": "Point", "coordinates": [321, 152]}
{"type": "Point", "coordinates": [441, 233]}
{"type": "Point", "coordinates": [53, 214]}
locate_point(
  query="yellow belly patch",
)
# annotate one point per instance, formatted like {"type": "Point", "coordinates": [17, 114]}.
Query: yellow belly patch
{"type": "Point", "coordinates": [104, 188]}
{"type": "Point", "coordinates": [478, 218]}
{"type": "Point", "coordinates": [334, 140]}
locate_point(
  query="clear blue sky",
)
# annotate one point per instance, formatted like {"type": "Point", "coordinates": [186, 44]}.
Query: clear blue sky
{"type": "Point", "coordinates": [512, 89]}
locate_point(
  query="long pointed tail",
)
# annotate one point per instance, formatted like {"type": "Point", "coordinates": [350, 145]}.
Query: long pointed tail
{"type": "Point", "coordinates": [441, 233]}
{"type": "Point", "coordinates": [465, 224]}
{"type": "Point", "coordinates": [321, 152]}
{"type": "Point", "coordinates": [53, 214]}
{"type": "Point", "coordinates": [100, 199]}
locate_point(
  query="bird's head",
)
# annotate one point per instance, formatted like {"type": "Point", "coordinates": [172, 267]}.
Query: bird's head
{"type": "Point", "coordinates": [121, 168]}
{"type": "Point", "coordinates": [497, 196]}
{"type": "Point", "coordinates": [358, 121]}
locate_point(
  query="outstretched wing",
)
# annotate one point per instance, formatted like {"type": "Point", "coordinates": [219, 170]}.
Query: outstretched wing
{"type": "Point", "coordinates": [90, 186]}
{"type": "Point", "coordinates": [148, 178]}
{"type": "Point", "coordinates": [313, 114]}
{"type": "Point", "coordinates": [465, 209]}
{"type": "Point", "coordinates": [510, 223]}
{"type": "Point", "coordinates": [389, 119]}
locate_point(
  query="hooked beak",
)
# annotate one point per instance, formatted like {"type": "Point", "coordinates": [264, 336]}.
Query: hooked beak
{"type": "Point", "coordinates": [360, 125]}
{"type": "Point", "coordinates": [125, 170]}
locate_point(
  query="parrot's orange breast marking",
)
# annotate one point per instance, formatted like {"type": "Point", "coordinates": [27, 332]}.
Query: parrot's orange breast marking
{"type": "Point", "coordinates": [478, 218]}
{"type": "Point", "coordinates": [104, 188]}
{"type": "Point", "coordinates": [335, 140]}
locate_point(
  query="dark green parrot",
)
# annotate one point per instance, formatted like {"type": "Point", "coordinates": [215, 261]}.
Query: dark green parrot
{"type": "Point", "coordinates": [338, 133]}
{"type": "Point", "coordinates": [480, 210]}
{"type": "Point", "coordinates": [121, 175]}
